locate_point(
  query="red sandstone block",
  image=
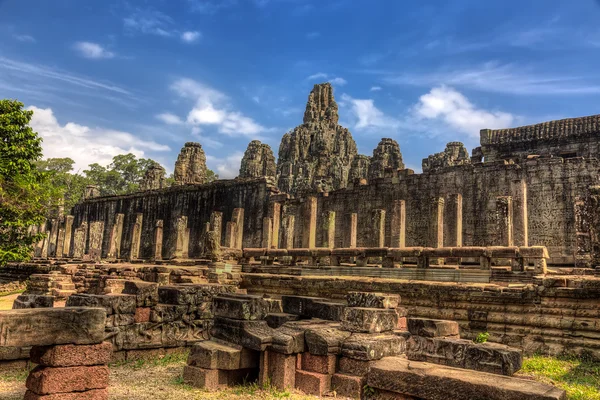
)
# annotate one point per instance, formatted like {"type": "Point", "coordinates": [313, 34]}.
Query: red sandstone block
{"type": "Point", "coordinates": [312, 382]}
{"type": "Point", "coordinates": [210, 379]}
{"type": "Point", "coordinates": [278, 369]}
{"type": "Point", "coordinates": [319, 364]}
{"type": "Point", "coordinates": [69, 355]}
{"type": "Point", "coordinates": [402, 326]}
{"type": "Point", "coordinates": [348, 385]}
{"type": "Point", "coordinates": [142, 314]}
{"type": "Point", "coordinates": [49, 380]}
{"type": "Point", "coordinates": [350, 366]}
{"type": "Point", "coordinates": [95, 394]}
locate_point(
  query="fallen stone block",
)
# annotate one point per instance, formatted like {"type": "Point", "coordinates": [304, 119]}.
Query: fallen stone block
{"type": "Point", "coordinates": [432, 327]}
{"type": "Point", "coordinates": [361, 346]}
{"type": "Point", "coordinates": [255, 335]}
{"type": "Point", "coordinates": [275, 320]}
{"type": "Point", "coordinates": [299, 305]}
{"type": "Point", "coordinates": [215, 355]}
{"type": "Point", "coordinates": [33, 301]}
{"type": "Point", "coordinates": [209, 379]}
{"type": "Point", "coordinates": [369, 320]}
{"type": "Point", "coordinates": [348, 385]}
{"type": "Point", "coordinates": [435, 382]}
{"type": "Point", "coordinates": [327, 310]}
{"type": "Point", "coordinates": [51, 326]}
{"type": "Point", "coordinates": [146, 293]}
{"type": "Point", "coordinates": [278, 369]}
{"type": "Point", "coordinates": [50, 380]}
{"type": "Point", "coordinates": [95, 394]}
{"type": "Point", "coordinates": [112, 303]}
{"type": "Point", "coordinates": [240, 307]}
{"type": "Point", "coordinates": [312, 383]}
{"type": "Point", "coordinates": [186, 294]}
{"type": "Point", "coordinates": [320, 364]}
{"type": "Point", "coordinates": [372, 300]}
{"type": "Point", "coordinates": [351, 366]}
{"type": "Point", "coordinates": [69, 355]}
{"type": "Point", "coordinates": [325, 340]}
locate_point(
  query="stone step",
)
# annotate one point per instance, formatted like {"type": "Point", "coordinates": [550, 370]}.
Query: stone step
{"type": "Point", "coordinates": [63, 294]}
{"type": "Point", "coordinates": [212, 354]}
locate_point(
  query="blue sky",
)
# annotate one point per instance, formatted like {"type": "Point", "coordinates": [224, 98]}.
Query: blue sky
{"type": "Point", "coordinates": [146, 76]}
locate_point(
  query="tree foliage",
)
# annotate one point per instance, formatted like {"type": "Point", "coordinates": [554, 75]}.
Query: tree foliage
{"type": "Point", "coordinates": [24, 195]}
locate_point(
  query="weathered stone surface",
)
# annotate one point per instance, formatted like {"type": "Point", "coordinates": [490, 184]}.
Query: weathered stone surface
{"type": "Point", "coordinates": [369, 320]}
{"type": "Point", "coordinates": [191, 294]}
{"type": "Point", "coordinates": [168, 312]}
{"type": "Point", "coordinates": [299, 305]}
{"type": "Point", "coordinates": [240, 307]}
{"type": "Point", "coordinates": [487, 357]}
{"type": "Point", "coordinates": [435, 382]}
{"type": "Point", "coordinates": [317, 154]}
{"type": "Point", "coordinates": [69, 355]}
{"type": "Point", "coordinates": [112, 303]}
{"type": "Point", "coordinates": [258, 161]}
{"type": "Point", "coordinates": [216, 355]}
{"type": "Point", "coordinates": [255, 335]}
{"type": "Point", "coordinates": [33, 301]}
{"type": "Point", "coordinates": [361, 346]}
{"type": "Point", "coordinates": [50, 326]}
{"type": "Point", "coordinates": [353, 366]}
{"type": "Point", "coordinates": [146, 293]}
{"type": "Point", "coordinates": [275, 320]}
{"type": "Point", "coordinates": [359, 169]}
{"type": "Point", "coordinates": [94, 394]}
{"type": "Point", "coordinates": [372, 300]}
{"type": "Point", "coordinates": [312, 383]}
{"type": "Point", "coordinates": [154, 178]}
{"type": "Point", "coordinates": [279, 369]}
{"type": "Point", "coordinates": [454, 154]}
{"type": "Point", "coordinates": [328, 310]}
{"type": "Point", "coordinates": [190, 167]}
{"type": "Point", "coordinates": [325, 340]}
{"type": "Point", "coordinates": [320, 364]}
{"type": "Point", "coordinates": [432, 327]}
{"type": "Point", "coordinates": [348, 385]}
{"type": "Point", "coordinates": [49, 380]}
{"type": "Point", "coordinates": [213, 379]}
{"type": "Point", "coordinates": [386, 155]}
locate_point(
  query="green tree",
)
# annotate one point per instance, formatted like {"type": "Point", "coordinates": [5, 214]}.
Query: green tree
{"type": "Point", "coordinates": [60, 176]}
{"type": "Point", "coordinates": [24, 196]}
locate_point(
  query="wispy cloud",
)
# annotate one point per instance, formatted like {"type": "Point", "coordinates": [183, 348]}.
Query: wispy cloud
{"type": "Point", "coordinates": [25, 38]}
{"type": "Point", "coordinates": [375, 88]}
{"type": "Point", "coordinates": [92, 51]}
{"type": "Point", "coordinates": [190, 36]}
{"type": "Point", "coordinates": [169, 119]}
{"type": "Point", "coordinates": [210, 6]}
{"type": "Point", "coordinates": [150, 22]}
{"type": "Point", "coordinates": [367, 116]}
{"type": "Point", "coordinates": [227, 167]}
{"type": "Point", "coordinates": [336, 80]}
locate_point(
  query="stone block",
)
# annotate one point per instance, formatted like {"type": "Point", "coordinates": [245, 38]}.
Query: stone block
{"type": "Point", "coordinates": [436, 382]}
{"type": "Point", "coordinates": [51, 326]}
{"type": "Point", "coordinates": [119, 320]}
{"type": "Point", "coordinates": [313, 383]}
{"type": "Point", "coordinates": [351, 366]}
{"type": "Point", "coordinates": [209, 379]}
{"type": "Point", "coordinates": [215, 355]}
{"type": "Point", "coordinates": [361, 346]}
{"type": "Point", "coordinates": [432, 327]}
{"type": "Point", "coordinates": [146, 293]}
{"type": "Point", "coordinates": [49, 380]}
{"type": "Point", "coordinates": [325, 340]}
{"type": "Point", "coordinates": [69, 355]}
{"type": "Point", "coordinates": [240, 307]}
{"type": "Point", "coordinates": [373, 300]}
{"type": "Point", "coordinates": [33, 301]}
{"type": "Point", "coordinates": [320, 364]}
{"type": "Point", "coordinates": [186, 294]}
{"type": "Point", "coordinates": [348, 385]}
{"type": "Point", "coordinates": [369, 320]}
{"type": "Point", "coordinates": [299, 305]}
{"type": "Point", "coordinates": [327, 310]}
{"type": "Point", "coordinates": [281, 370]}
{"type": "Point", "coordinates": [95, 394]}
{"type": "Point", "coordinates": [113, 303]}
{"type": "Point", "coordinates": [142, 314]}
{"type": "Point", "coordinates": [255, 335]}
{"type": "Point", "coordinates": [275, 320]}
{"type": "Point", "coordinates": [168, 312]}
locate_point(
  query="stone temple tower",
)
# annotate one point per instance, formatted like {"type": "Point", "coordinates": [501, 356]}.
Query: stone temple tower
{"type": "Point", "coordinates": [190, 167]}
{"type": "Point", "coordinates": [154, 178]}
{"type": "Point", "coordinates": [317, 155]}
{"type": "Point", "coordinates": [386, 155]}
{"type": "Point", "coordinates": [258, 161]}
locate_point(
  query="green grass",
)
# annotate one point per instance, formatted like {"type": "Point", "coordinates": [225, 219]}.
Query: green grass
{"type": "Point", "coordinates": [19, 375]}
{"type": "Point", "coordinates": [3, 294]}
{"type": "Point", "coordinates": [579, 377]}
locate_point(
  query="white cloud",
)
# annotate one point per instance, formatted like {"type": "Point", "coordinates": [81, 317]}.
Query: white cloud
{"type": "Point", "coordinates": [453, 109]}
{"type": "Point", "coordinates": [92, 50]}
{"type": "Point", "coordinates": [169, 119]}
{"type": "Point", "coordinates": [212, 108]}
{"type": "Point", "coordinates": [190, 36]}
{"type": "Point", "coordinates": [83, 144]}
{"type": "Point", "coordinates": [25, 38]}
{"type": "Point", "coordinates": [228, 167]}
{"type": "Point", "coordinates": [375, 88]}
{"type": "Point", "coordinates": [323, 76]}
{"type": "Point", "coordinates": [318, 75]}
{"type": "Point", "coordinates": [149, 22]}
{"type": "Point", "coordinates": [367, 115]}
{"type": "Point", "coordinates": [338, 81]}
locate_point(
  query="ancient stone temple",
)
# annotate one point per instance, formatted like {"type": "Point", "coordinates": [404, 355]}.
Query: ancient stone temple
{"type": "Point", "coordinates": [190, 167]}
{"type": "Point", "coordinates": [258, 161]}
{"type": "Point", "coordinates": [154, 178]}
{"type": "Point", "coordinates": [386, 155]}
{"type": "Point", "coordinates": [316, 156]}
{"type": "Point", "coordinates": [454, 154]}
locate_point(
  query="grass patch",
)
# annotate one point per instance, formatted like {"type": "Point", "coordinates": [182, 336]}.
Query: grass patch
{"type": "Point", "coordinates": [8, 293]}
{"type": "Point", "coordinates": [19, 375]}
{"type": "Point", "coordinates": [580, 378]}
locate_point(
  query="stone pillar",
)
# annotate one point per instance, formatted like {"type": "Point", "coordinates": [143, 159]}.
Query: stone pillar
{"type": "Point", "coordinates": [309, 223]}
{"type": "Point", "coordinates": [276, 218]}
{"type": "Point", "coordinates": [182, 238]}
{"type": "Point", "coordinates": [436, 225]}
{"type": "Point", "coordinates": [60, 243]}
{"type": "Point", "coordinates": [53, 237]}
{"type": "Point", "coordinates": [136, 237]}
{"type": "Point", "coordinates": [44, 253]}
{"type": "Point", "coordinates": [378, 223]}
{"type": "Point", "coordinates": [267, 229]}
{"type": "Point", "coordinates": [216, 224]}
{"type": "Point", "coordinates": [238, 219]}
{"type": "Point", "coordinates": [398, 224]}
{"type": "Point", "coordinates": [114, 242]}
{"type": "Point", "coordinates": [68, 235]}
{"type": "Point", "coordinates": [96, 236]}
{"type": "Point", "coordinates": [158, 239]}
{"type": "Point", "coordinates": [504, 221]}
{"type": "Point", "coordinates": [454, 221]}
{"type": "Point", "coordinates": [520, 217]}
{"type": "Point", "coordinates": [351, 230]}
{"type": "Point", "coordinates": [80, 240]}
{"type": "Point", "coordinates": [288, 232]}
{"type": "Point", "coordinates": [329, 230]}
{"type": "Point", "coordinates": [230, 232]}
